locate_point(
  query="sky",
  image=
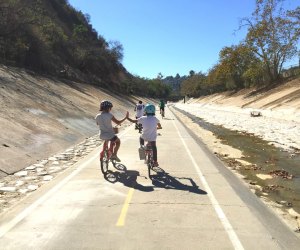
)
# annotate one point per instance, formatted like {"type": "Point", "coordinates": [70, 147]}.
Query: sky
{"type": "Point", "coordinates": [169, 36]}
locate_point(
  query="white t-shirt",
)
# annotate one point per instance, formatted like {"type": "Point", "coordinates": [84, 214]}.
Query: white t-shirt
{"type": "Point", "coordinates": [139, 110]}
{"type": "Point", "coordinates": [105, 126]}
{"type": "Point", "coordinates": [149, 124]}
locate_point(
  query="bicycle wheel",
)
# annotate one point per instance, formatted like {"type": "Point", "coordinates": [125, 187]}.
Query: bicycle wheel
{"type": "Point", "coordinates": [140, 128]}
{"type": "Point", "coordinates": [104, 163]}
{"type": "Point", "coordinates": [149, 163]}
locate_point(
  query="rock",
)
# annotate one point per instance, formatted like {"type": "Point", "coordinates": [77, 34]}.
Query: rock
{"type": "Point", "coordinates": [292, 212]}
{"type": "Point", "coordinates": [32, 187]}
{"type": "Point", "coordinates": [38, 170]}
{"type": "Point", "coordinates": [19, 183]}
{"type": "Point", "coordinates": [30, 178]}
{"type": "Point", "coordinates": [42, 173]}
{"type": "Point", "coordinates": [47, 177]}
{"type": "Point", "coordinates": [23, 190]}
{"type": "Point", "coordinates": [21, 173]}
{"type": "Point", "coordinates": [52, 159]}
{"type": "Point", "coordinates": [39, 165]}
{"type": "Point", "coordinates": [264, 176]}
{"type": "Point", "coordinates": [8, 189]}
{"type": "Point", "coordinates": [32, 167]}
{"type": "Point", "coordinates": [281, 202]}
{"type": "Point", "coordinates": [55, 163]}
{"type": "Point", "coordinates": [52, 170]}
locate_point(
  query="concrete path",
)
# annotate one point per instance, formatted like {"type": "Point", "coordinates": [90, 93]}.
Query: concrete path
{"type": "Point", "coordinates": [196, 204]}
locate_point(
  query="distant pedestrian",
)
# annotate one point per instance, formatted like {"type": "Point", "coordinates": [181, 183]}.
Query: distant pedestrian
{"type": "Point", "coordinates": [139, 108]}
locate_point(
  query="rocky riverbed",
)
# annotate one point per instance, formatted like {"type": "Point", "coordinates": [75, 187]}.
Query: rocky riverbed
{"type": "Point", "coordinates": [254, 160]}
{"type": "Point", "coordinates": [15, 187]}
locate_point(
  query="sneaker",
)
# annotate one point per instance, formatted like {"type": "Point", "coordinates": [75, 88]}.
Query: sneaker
{"type": "Point", "coordinates": [155, 164]}
{"type": "Point", "coordinates": [116, 158]}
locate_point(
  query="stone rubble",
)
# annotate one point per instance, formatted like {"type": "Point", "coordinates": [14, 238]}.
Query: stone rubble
{"type": "Point", "coordinates": [16, 186]}
{"type": "Point", "coordinates": [285, 135]}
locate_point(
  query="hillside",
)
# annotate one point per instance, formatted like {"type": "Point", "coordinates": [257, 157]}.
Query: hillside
{"type": "Point", "coordinates": [281, 102]}
{"type": "Point", "coordinates": [41, 116]}
{"type": "Point", "coordinates": [51, 36]}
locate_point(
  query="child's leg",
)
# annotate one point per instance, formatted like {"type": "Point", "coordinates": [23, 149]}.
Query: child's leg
{"type": "Point", "coordinates": [117, 146]}
{"type": "Point", "coordinates": [142, 141]}
{"type": "Point", "coordinates": [154, 149]}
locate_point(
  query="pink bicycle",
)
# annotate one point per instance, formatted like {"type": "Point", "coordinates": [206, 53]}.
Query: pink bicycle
{"type": "Point", "coordinates": [105, 158]}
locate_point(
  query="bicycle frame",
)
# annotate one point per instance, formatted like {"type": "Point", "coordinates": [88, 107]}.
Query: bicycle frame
{"type": "Point", "coordinates": [149, 157]}
{"type": "Point", "coordinates": [106, 154]}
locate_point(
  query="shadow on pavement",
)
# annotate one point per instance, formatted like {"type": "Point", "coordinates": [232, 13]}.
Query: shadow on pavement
{"type": "Point", "coordinates": [164, 180]}
{"type": "Point", "coordinates": [166, 118]}
{"type": "Point", "coordinates": [161, 179]}
{"type": "Point", "coordinates": [128, 178]}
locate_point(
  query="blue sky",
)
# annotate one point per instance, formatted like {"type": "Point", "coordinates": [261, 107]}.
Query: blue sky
{"type": "Point", "coordinates": [169, 36]}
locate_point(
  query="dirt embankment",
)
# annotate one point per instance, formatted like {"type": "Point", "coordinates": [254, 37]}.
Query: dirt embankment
{"type": "Point", "coordinates": [282, 102]}
{"type": "Point", "coordinates": [42, 116]}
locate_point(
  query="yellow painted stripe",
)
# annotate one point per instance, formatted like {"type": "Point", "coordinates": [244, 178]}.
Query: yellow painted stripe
{"type": "Point", "coordinates": [122, 217]}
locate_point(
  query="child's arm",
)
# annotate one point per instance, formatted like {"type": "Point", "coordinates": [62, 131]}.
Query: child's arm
{"type": "Point", "coordinates": [132, 120]}
{"type": "Point", "coordinates": [118, 122]}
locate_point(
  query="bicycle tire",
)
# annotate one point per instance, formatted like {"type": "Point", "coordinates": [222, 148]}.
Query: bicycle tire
{"type": "Point", "coordinates": [140, 128]}
{"type": "Point", "coordinates": [149, 164]}
{"type": "Point", "coordinates": [104, 163]}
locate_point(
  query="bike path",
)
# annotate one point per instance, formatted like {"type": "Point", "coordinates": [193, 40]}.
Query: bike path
{"type": "Point", "coordinates": [191, 206]}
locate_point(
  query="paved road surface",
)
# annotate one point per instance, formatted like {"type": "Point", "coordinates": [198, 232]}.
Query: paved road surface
{"type": "Point", "coordinates": [196, 204]}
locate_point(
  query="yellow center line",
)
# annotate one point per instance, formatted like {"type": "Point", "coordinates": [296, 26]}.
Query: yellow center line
{"type": "Point", "coordinates": [122, 217]}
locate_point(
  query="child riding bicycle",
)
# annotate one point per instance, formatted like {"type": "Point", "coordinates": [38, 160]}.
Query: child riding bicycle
{"type": "Point", "coordinates": [106, 131]}
{"type": "Point", "coordinates": [150, 125]}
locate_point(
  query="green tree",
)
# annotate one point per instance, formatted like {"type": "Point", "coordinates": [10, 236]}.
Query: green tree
{"type": "Point", "coordinates": [234, 62]}
{"type": "Point", "coordinates": [272, 35]}
{"type": "Point", "coordinates": [194, 85]}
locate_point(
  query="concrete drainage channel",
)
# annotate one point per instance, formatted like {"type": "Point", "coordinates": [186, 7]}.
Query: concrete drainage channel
{"type": "Point", "coordinates": [281, 188]}
{"type": "Point", "coordinates": [15, 187]}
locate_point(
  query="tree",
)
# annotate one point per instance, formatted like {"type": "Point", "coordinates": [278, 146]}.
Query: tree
{"type": "Point", "coordinates": [272, 35]}
{"type": "Point", "coordinates": [193, 85]}
{"type": "Point", "coordinates": [192, 73]}
{"type": "Point", "coordinates": [160, 76]}
{"type": "Point", "coordinates": [116, 49]}
{"type": "Point", "coordinates": [234, 62]}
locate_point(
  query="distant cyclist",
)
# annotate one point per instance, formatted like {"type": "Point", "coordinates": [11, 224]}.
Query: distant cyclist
{"type": "Point", "coordinates": [162, 107]}
{"type": "Point", "coordinates": [139, 108]}
{"type": "Point", "coordinates": [150, 125]}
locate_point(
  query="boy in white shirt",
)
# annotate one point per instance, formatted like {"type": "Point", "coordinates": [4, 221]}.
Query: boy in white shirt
{"type": "Point", "coordinates": [150, 125]}
{"type": "Point", "coordinates": [139, 108]}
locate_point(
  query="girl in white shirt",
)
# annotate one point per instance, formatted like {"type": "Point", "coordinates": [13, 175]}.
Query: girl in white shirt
{"type": "Point", "coordinates": [104, 121]}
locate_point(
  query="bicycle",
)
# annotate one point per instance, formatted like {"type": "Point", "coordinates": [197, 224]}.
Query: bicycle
{"type": "Point", "coordinates": [105, 156]}
{"type": "Point", "coordinates": [149, 157]}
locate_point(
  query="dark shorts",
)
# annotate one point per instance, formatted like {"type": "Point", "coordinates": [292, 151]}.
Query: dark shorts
{"type": "Point", "coordinates": [114, 138]}
{"type": "Point", "coordinates": [162, 108]}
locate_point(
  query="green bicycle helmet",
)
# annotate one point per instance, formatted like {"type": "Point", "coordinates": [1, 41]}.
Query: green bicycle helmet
{"type": "Point", "coordinates": [150, 109]}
